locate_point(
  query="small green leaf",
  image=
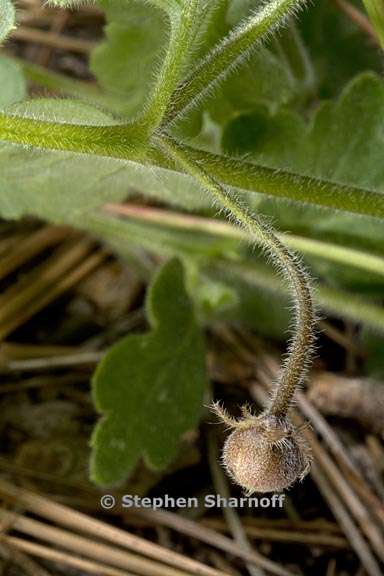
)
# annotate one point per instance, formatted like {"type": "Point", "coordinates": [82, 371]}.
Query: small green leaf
{"type": "Point", "coordinates": [150, 387]}
{"type": "Point", "coordinates": [7, 18]}
{"type": "Point", "coordinates": [13, 88]}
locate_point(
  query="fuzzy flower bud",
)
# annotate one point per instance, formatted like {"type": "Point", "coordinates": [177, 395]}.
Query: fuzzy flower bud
{"type": "Point", "coordinates": [264, 453]}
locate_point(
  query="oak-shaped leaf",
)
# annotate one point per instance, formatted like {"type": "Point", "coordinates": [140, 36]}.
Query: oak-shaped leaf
{"type": "Point", "coordinates": [149, 388]}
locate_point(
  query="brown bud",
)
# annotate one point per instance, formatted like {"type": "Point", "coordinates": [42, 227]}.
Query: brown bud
{"type": "Point", "coordinates": [265, 453]}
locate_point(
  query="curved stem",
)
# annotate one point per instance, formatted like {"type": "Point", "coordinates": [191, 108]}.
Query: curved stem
{"type": "Point", "coordinates": [227, 54]}
{"type": "Point", "coordinates": [169, 75]}
{"type": "Point", "coordinates": [300, 350]}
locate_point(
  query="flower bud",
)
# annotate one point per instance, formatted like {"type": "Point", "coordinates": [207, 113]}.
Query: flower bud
{"type": "Point", "coordinates": [266, 454]}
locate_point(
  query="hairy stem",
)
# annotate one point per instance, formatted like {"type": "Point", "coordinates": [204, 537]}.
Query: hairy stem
{"type": "Point", "coordinates": [295, 366]}
{"type": "Point", "coordinates": [127, 140]}
{"type": "Point", "coordinates": [169, 75]}
{"type": "Point", "coordinates": [284, 184]}
{"type": "Point", "coordinates": [227, 54]}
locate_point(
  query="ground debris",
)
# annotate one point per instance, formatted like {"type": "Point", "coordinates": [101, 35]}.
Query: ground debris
{"type": "Point", "coordinates": [361, 399]}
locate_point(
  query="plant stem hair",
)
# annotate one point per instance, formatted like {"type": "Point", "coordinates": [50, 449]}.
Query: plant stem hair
{"type": "Point", "coordinates": [287, 264]}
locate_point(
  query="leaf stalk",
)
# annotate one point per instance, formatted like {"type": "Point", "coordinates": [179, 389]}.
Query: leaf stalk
{"type": "Point", "coordinates": [172, 68]}
{"type": "Point", "coordinates": [124, 140]}
{"type": "Point", "coordinates": [227, 54]}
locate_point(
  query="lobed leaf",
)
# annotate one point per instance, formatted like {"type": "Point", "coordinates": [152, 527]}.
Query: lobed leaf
{"type": "Point", "coordinates": [343, 142]}
{"type": "Point", "coordinates": [149, 388]}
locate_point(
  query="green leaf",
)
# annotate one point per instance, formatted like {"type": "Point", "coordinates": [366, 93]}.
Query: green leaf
{"type": "Point", "coordinates": [7, 18]}
{"type": "Point", "coordinates": [343, 143]}
{"type": "Point", "coordinates": [150, 387]}
{"type": "Point", "coordinates": [126, 61]}
{"type": "Point", "coordinates": [264, 135]}
{"type": "Point", "coordinates": [13, 88]}
{"type": "Point", "coordinates": [263, 79]}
